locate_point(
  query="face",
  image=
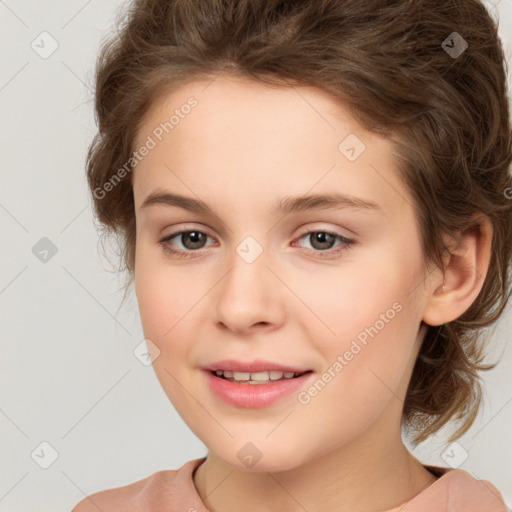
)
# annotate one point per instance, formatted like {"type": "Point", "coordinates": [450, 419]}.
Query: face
{"type": "Point", "coordinates": [336, 290]}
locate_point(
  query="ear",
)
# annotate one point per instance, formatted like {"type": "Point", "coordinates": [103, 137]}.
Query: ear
{"type": "Point", "coordinates": [457, 286]}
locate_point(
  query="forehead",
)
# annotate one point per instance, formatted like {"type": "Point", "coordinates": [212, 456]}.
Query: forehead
{"type": "Point", "coordinates": [235, 102]}
{"type": "Point", "coordinates": [250, 135]}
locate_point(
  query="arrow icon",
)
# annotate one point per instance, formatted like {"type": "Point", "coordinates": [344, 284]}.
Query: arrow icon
{"type": "Point", "coordinates": [249, 253]}
{"type": "Point", "coordinates": [351, 147]}
{"type": "Point", "coordinates": [454, 45]}
{"type": "Point", "coordinates": [44, 44]}
{"type": "Point", "coordinates": [44, 455]}
{"type": "Point", "coordinates": [249, 455]}
{"type": "Point", "coordinates": [44, 250]}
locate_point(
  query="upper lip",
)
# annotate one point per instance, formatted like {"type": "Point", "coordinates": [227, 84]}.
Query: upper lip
{"type": "Point", "coordinates": [256, 365]}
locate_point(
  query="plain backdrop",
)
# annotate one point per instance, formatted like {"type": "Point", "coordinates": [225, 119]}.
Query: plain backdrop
{"type": "Point", "coordinates": [78, 411]}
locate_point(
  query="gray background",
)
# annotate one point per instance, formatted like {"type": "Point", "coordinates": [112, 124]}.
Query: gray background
{"type": "Point", "coordinates": [68, 374]}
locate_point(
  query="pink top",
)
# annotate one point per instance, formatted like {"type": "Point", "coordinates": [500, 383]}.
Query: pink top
{"type": "Point", "coordinates": [173, 491]}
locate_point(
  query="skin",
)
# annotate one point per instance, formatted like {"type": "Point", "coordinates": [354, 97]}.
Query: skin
{"type": "Point", "coordinates": [245, 146]}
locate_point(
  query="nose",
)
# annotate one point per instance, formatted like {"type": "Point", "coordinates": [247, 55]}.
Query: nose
{"type": "Point", "coordinates": [249, 297]}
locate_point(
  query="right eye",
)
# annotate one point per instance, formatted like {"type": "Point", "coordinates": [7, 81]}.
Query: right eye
{"type": "Point", "coordinates": [191, 239]}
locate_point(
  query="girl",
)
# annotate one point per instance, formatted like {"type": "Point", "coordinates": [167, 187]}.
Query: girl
{"type": "Point", "coordinates": [314, 206]}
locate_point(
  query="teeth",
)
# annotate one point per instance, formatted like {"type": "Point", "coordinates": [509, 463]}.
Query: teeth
{"type": "Point", "coordinates": [241, 376]}
{"type": "Point", "coordinates": [260, 376]}
{"type": "Point", "coordinates": [256, 377]}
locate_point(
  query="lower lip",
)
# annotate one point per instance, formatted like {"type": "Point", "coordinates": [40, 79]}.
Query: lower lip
{"type": "Point", "coordinates": [255, 395]}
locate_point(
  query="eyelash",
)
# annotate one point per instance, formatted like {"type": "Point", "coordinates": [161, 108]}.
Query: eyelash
{"type": "Point", "coordinates": [347, 243]}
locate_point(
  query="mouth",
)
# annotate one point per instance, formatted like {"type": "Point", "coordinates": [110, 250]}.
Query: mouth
{"type": "Point", "coordinates": [256, 378]}
{"type": "Point", "coordinates": [257, 389]}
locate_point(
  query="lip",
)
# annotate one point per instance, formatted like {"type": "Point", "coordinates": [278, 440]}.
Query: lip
{"type": "Point", "coordinates": [254, 396]}
{"type": "Point", "coordinates": [256, 365]}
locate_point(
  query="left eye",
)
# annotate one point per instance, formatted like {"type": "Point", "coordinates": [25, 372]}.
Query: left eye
{"type": "Point", "coordinates": [322, 242]}
{"type": "Point", "coordinates": [321, 239]}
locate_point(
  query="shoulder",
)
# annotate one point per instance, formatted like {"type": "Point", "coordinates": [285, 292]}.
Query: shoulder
{"type": "Point", "coordinates": [170, 489]}
{"type": "Point", "coordinates": [140, 496]}
{"type": "Point", "coordinates": [459, 490]}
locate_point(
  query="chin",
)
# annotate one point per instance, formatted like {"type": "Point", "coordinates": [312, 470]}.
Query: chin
{"type": "Point", "coordinates": [251, 458]}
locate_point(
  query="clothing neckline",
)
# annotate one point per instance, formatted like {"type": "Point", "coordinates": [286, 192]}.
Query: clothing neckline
{"type": "Point", "coordinates": [441, 474]}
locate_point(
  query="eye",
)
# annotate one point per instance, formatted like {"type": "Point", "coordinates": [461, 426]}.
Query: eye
{"type": "Point", "coordinates": [192, 240]}
{"type": "Point", "coordinates": [322, 242]}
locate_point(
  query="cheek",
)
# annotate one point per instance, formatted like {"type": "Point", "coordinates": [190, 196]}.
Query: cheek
{"type": "Point", "coordinates": [365, 376]}
{"type": "Point", "coordinates": [374, 294]}
{"type": "Point", "coordinates": [162, 295]}
{"type": "Point", "coordinates": [164, 301]}
{"type": "Point", "coordinates": [374, 319]}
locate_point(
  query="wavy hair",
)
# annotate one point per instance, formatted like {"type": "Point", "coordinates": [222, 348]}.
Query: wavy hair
{"type": "Point", "coordinates": [393, 64]}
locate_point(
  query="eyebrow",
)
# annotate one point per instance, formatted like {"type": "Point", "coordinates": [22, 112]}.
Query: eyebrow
{"type": "Point", "coordinates": [285, 206]}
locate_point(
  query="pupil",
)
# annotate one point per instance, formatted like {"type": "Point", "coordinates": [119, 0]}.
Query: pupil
{"type": "Point", "coordinates": [319, 238]}
{"type": "Point", "coordinates": [193, 235]}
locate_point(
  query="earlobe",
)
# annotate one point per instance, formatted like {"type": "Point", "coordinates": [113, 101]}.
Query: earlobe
{"type": "Point", "coordinates": [457, 286]}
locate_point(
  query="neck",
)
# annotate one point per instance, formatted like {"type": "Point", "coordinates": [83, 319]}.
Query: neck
{"type": "Point", "coordinates": [365, 477]}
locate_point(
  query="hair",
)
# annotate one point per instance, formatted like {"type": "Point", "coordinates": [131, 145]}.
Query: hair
{"type": "Point", "coordinates": [448, 117]}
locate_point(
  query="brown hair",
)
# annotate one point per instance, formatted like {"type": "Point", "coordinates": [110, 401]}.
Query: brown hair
{"type": "Point", "coordinates": [390, 63]}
